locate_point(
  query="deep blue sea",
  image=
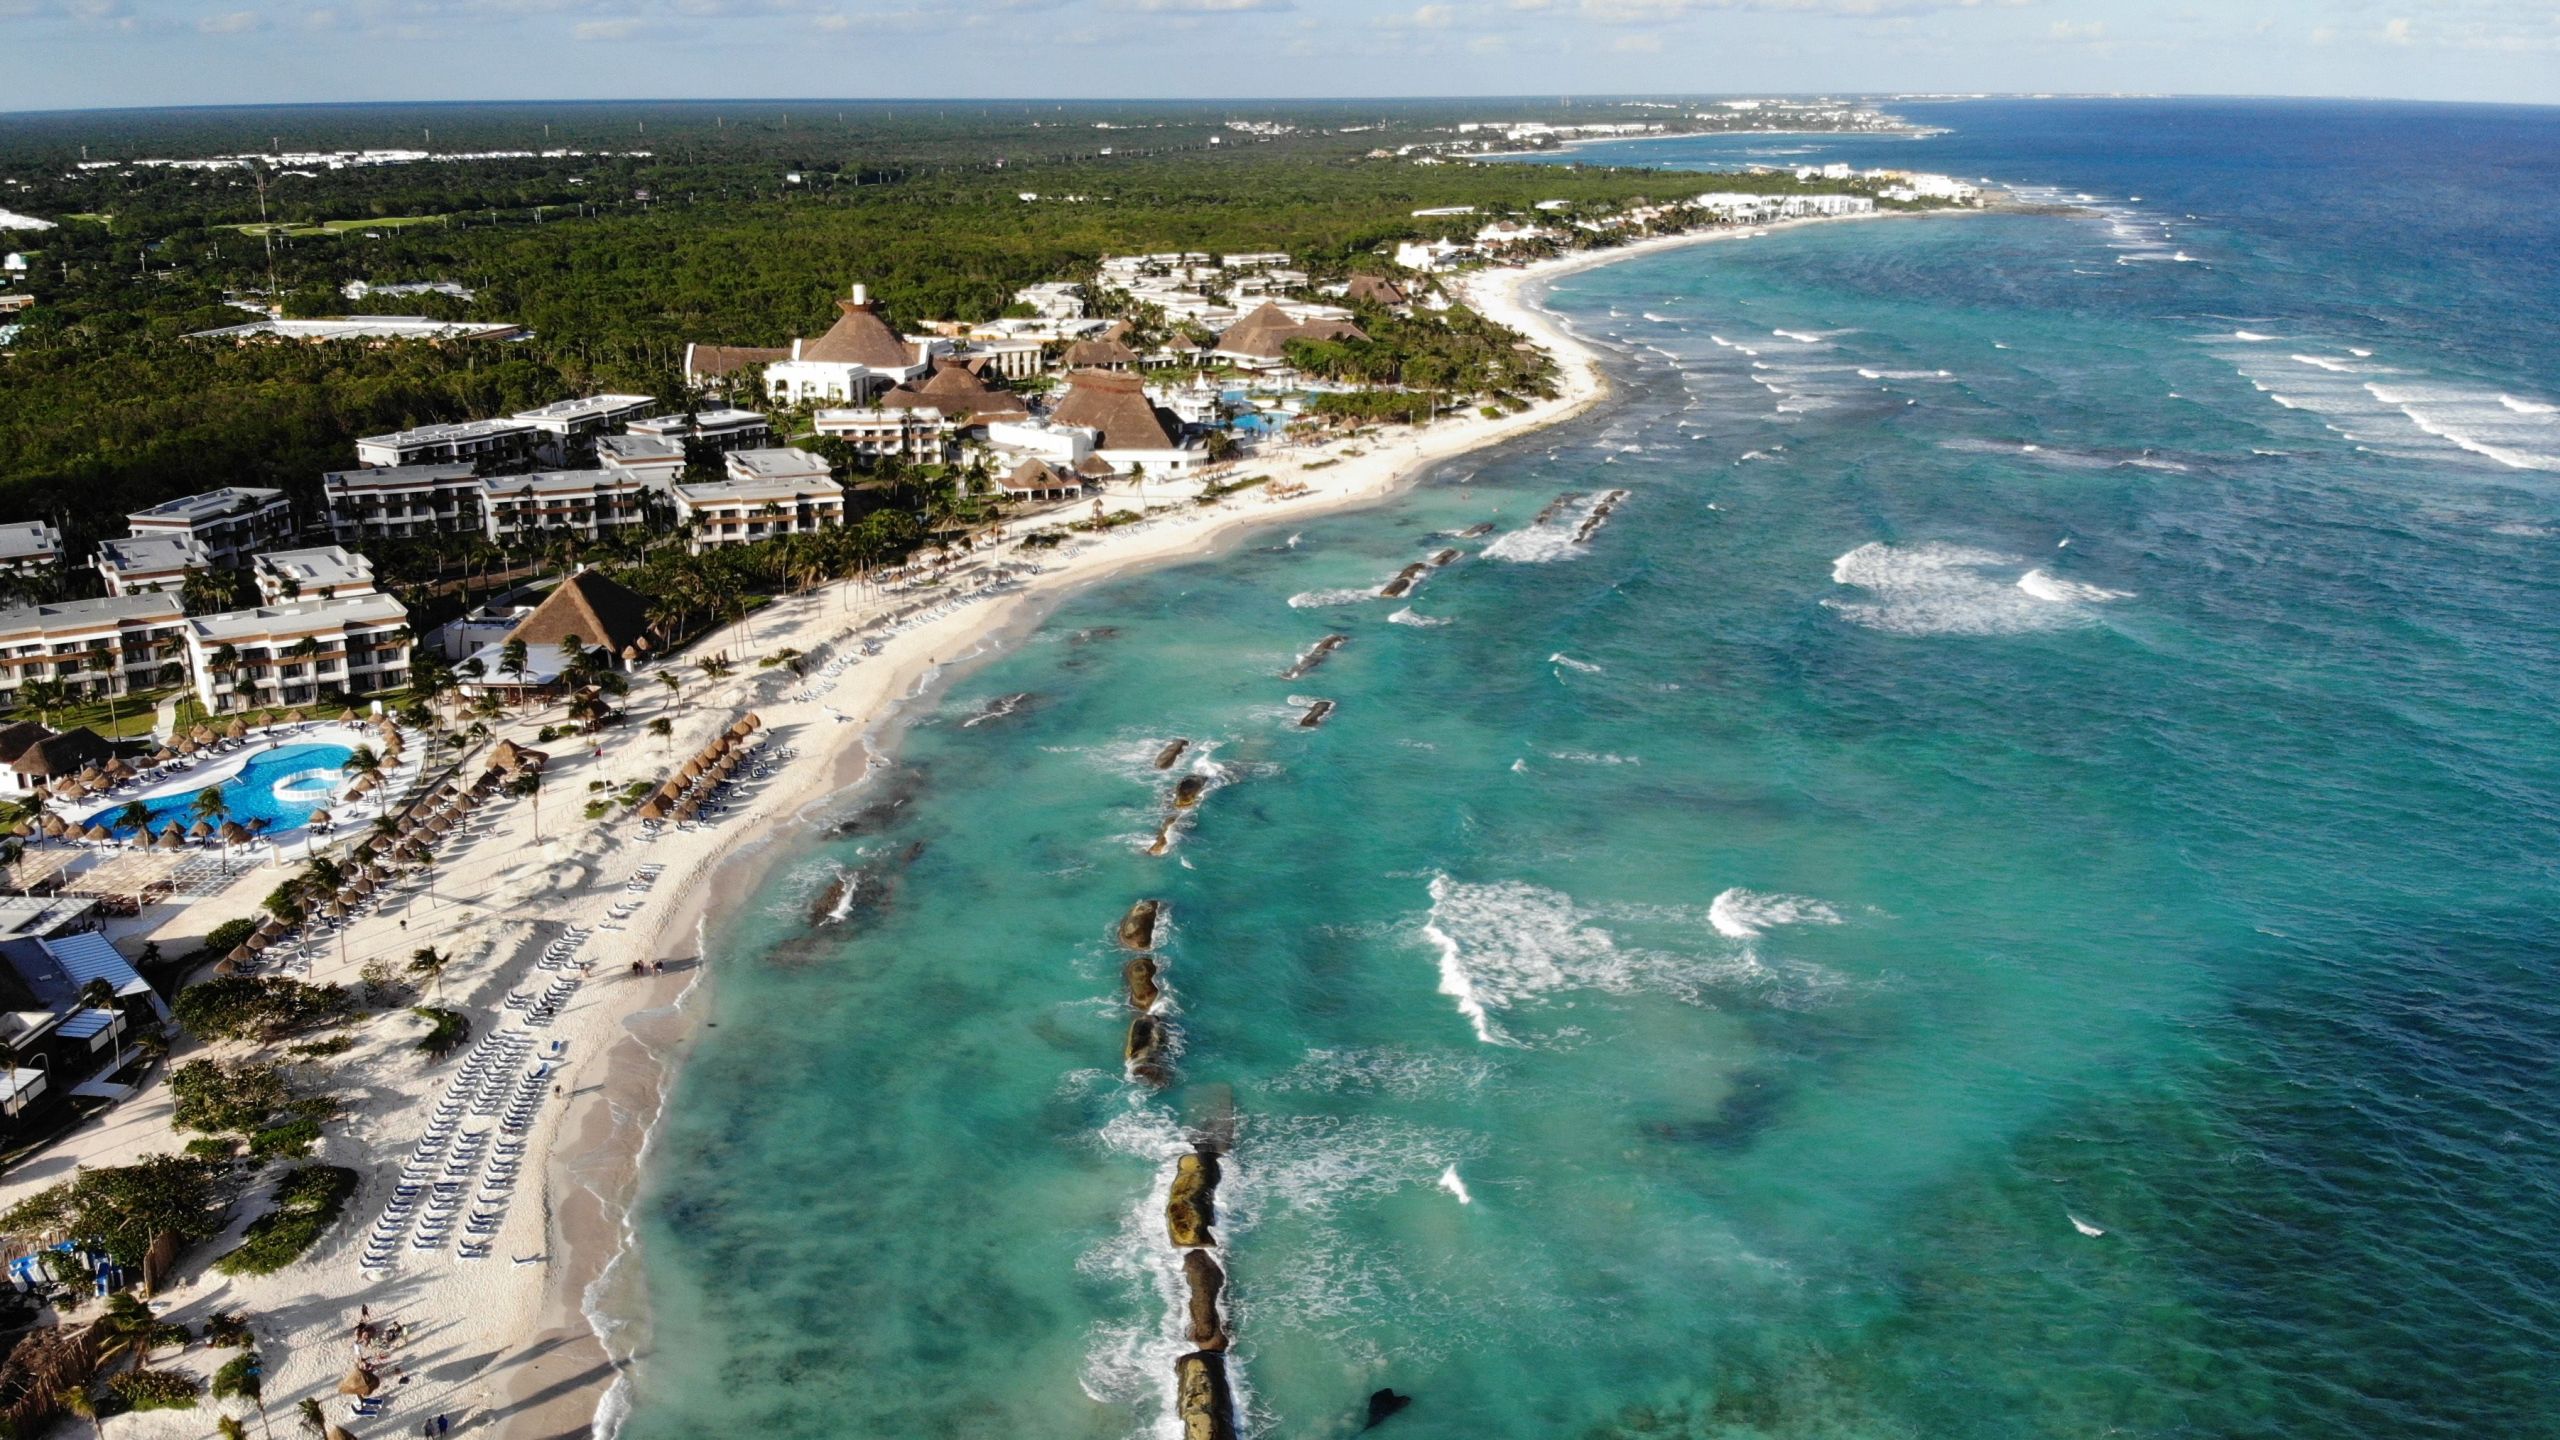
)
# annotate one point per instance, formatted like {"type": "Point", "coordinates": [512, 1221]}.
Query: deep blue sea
{"type": "Point", "coordinates": [2005, 890]}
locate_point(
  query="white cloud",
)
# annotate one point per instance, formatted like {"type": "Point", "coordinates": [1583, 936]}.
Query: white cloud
{"type": "Point", "coordinates": [2396, 32]}
{"type": "Point", "coordinates": [2078, 31]}
{"type": "Point", "coordinates": [1203, 7]}
{"type": "Point", "coordinates": [1638, 44]}
{"type": "Point", "coordinates": [621, 28]}
{"type": "Point", "coordinates": [234, 22]}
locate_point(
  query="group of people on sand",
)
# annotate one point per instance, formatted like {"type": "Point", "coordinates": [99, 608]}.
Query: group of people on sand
{"type": "Point", "coordinates": [648, 967]}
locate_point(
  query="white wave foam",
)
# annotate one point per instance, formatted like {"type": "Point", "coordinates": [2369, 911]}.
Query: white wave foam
{"type": "Point", "coordinates": [2067, 592]}
{"type": "Point", "coordinates": [1568, 662]}
{"type": "Point", "coordinates": [1450, 1181]}
{"type": "Point", "coordinates": [1404, 1074]}
{"type": "Point", "coordinates": [1408, 616]}
{"type": "Point", "coordinates": [1936, 589]}
{"type": "Point", "coordinates": [1324, 599]}
{"type": "Point", "coordinates": [1549, 540]}
{"type": "Point", "coordinates": [2528, 407]}
{"type": "Point", "coordinates": [1741, 914]}
{"type": "Point", "coordinates": [1593, 757]}
{"type": "Point", "coordinates": [2342, 367]}
{"type": "Point", "coordinates": [2485, 423]}
{"type": "Point", "coordinates": [2250, 335]}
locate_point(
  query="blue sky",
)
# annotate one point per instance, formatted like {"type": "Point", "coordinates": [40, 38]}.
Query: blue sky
{"type": "Point", "coordinates": [77, 53]}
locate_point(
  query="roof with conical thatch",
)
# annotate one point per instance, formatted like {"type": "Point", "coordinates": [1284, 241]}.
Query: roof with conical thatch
{"type": "Point", "coordinates": [1103, 354]}
{"type": "Point", "coordinates": [708, 361]}
{"type": "Point", "coordinates": [14, 739]}
{"type": "Point", "coordinates": [1034, 476]}
{"type": "Point", "coordinates": [1265, 334]}
{"type": "Point", "coordinates": [596, 610]}
{"type": "Point", "coordinates": [860, 337]}
{"type": "Point", "coordinates": [62, 754]}
{"type": "Point", "coordinates": [1115, 403]}
{"type": "Point", "coordinates": [956, 390]}
{"type": "Point", "coordinates": [1376, 290]}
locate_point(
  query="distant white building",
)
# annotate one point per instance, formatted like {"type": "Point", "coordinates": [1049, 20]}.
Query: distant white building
{"type": "Point", "coordinates": [720, 431]}
{"type": "Point", "coordinates": [231, 523]}
{"type": "Point", "coordinates": [1064, 446]}
{"type": "Point", "coordinates": [1429, 255]}
{"type": "Point", "coordinates": [401, 502]}
{"type": "Point", "coordinates": [370, 329]}
{"type": "Point", "coordinates": [1055, 300]}
{"type": "Point", "coordinates": [484, 442]}
{"type": "Point", "coordinates": [145, 564]}
{"type": "Point", "coordinates": [654, 462]}
{"type": "Point", "coordinates": [323, 572]}
{"type": "Point", "coordinates": [30, 547]}
{"type": "Point", "coordinates": [569, 428]}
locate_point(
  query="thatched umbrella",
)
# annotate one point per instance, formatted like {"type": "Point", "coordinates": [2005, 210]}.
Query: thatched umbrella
{"type": "Point", "coordinates": [98, 832]}
{"type": "Point", "coordinates": [172, 837]}
{"type": "Point", "coordinates": [163, 755]}
{"type": "Point", "coordinates": [233, 833]}
{"type": "Point", "coordinates": [743, 728]}
{"type": "Point", "coordinates": [238, 729]}
{"type": "Point", "coordinates": [653, 808]}
{"type": "Point", "coordinates": [257, 943]}
{"type": "Point", "coordinates": [21, 829]}
{"type": "Point", "coordinates": [317, 817]}
{"type": "Point", "coordinates": [200, 829]}
{"type": "Point", "coordinates": [260, 825]}
{"type": "Point", "coordinates": [363, 783]}
{"type": "Point", "coordinates": [332, 1430]}
{"type": "Point", "coordinates": [272, 926]}
{"type": "Point", "coordinates": [363, 886]}
{"type": "Point", "coordinates": [359, 1383]}
{"type": "Point", "coordinates": [204, 735]}
{"type": "Point", "coordinates": [295, 717]}
{"type": "Point", "coordinates": [337, 908]}
{"type": "Point", "coordinates": [226, 967]}
{"type": "Point", "coordinates": [347, 716]}
{"type": "Point", "coordinates": [117, 768]}
{"type": "Point", "coordinates": [54, 825]}
{"type": "Point", "coordinates": [691, 768]}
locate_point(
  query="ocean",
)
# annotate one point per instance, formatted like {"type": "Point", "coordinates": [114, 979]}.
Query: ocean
{"type": "Point", "coordinates": [2004, 888]}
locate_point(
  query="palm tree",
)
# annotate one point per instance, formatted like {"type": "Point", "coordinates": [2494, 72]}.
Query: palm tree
{"type": "Point", "coordinates": [362, 761]}
{"type": "Point", "coordinates": [104, 658]}
{"type": "Point", "coordinates": [44, 696]}
{"type": "Point", "coordinates": [314, 1419]}
{"type": "Point", "coordinates": [513, 661]}
{"type": "Point", "coordinates": [210, 805]}
{"type": "Point", "coordinates": [528, 783]}
{"type": "Point", "coordinates": [80, 1400]}
{"type": "Point", "coordinates": [665, 730]}
{"type": "Point", "coordinates": [135, 817]}
{"type": "Point", "coordinates": [675, 688]}
{"type": "Point", "coordinates": [428, 961]}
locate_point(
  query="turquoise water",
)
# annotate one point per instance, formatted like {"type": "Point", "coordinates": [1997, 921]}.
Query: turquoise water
{"type": "Point", "coordinates": [254, 793]}
{"type": "Point", "coordinates": [2006, 890]}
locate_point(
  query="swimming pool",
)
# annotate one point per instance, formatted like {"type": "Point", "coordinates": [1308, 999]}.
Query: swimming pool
{"type": "Point", "coordinates": [280, 786]}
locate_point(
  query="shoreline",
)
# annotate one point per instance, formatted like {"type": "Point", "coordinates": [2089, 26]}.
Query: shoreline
{"type": "Point", "coordinates": [567, 1374]}
{"type": "Point", "coordinates": [568, 1378]}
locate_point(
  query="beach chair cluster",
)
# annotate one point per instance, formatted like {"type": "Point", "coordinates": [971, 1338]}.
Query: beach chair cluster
{"type": "Point", "coordinates": [701, 792]}
{"type": "Point", "coordinates": [643, 880]}
{"type": "Point", "coordinates": [458, 1180]}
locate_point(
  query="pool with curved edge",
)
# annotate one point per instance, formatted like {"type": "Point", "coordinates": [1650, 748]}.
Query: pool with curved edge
{"type": "Point", "coordinates": [281, 786]}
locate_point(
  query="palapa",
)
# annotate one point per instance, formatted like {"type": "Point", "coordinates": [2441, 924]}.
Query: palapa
{"type": "Point", "coordinates": [238, 729]}
{"type": "Point", "coordinates": [200, 829]}
{"type": "Point", "coordinates": [233, 833]}
{"type": "Point", "coordinates": [97, 832]}
{"type": "Point", "coordinates": [359, 1383]}
{"type": "Point", "coordinates": [172, 838]}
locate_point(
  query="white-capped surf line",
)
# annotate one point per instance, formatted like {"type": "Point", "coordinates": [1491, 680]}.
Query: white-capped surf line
{"type": "Point", "coordinates": [1408, 616]}
{"type": "Point", "coordinates": [1739, 914]}
{"type": "Point", "coordinates": [1568, 662]}
{"type": "Point", "coordinates": [1940, 589]}
{"type": "Point", "coordinates": [1326, 599]}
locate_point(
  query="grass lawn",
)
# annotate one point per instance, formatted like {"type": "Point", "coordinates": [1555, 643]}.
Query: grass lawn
{"type": "Point", "coordinates": [335, 227]}
{"type": "Point", "coordinates": [135, 714]}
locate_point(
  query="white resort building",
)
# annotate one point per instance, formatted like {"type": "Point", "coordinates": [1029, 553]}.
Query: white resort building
{"type": "Point", "coordinates": [584, 502]}
{"type": "Point", "coordinates": [400, 502]}
{"type": "Point", "coordinates": [231, 523]}
{"type": "Point", "coordinates": [323, 572]}
{"type": "Point", "coordinates": [30, 548]}
{"type": "Point", "coordinates": [140, 564]}
{"type": "Point", "coordinates": [858, 357]}
{"type": "Point", "coordinates": [272, 655]}
{"type": "Point", "coordinates": [482, 442]}
{"type": "Point", "coordinates": [114, 645]}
